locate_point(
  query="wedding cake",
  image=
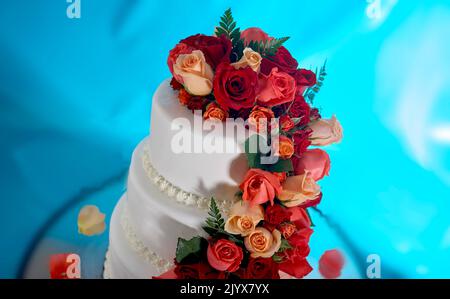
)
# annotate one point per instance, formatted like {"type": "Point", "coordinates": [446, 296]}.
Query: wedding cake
{"type": "Point", "coordinates": [199, 203]}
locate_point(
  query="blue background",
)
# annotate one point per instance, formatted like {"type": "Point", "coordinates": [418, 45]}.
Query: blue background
{"type": "Point", "coordinates": [75, 99]}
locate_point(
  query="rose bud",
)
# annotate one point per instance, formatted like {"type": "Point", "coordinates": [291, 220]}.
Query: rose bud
{"type": "Point", "coordinates": [213, 111]}
{"type": "Point", "coordinates": [284, 148]}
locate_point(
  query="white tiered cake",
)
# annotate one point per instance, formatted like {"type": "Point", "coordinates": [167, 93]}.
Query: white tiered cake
{"type": "Point", "coordinates": [168, 193]}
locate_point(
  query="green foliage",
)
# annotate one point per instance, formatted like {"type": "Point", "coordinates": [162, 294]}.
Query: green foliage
{"type": "Point", "coordinates": [253, 149]}
{"type": "Point", "coordinates": [311, 92]}
{"type": "Point", "coordinates": [269, 47]}
{"type": "Point", "coordinates": [215, 219]}
{"type": "Point", "coordinates": [284, 245]}
{"type": "Point", "coordinates": [190, 250]}
{"type": "Point", "coordinates": [215, 225]}
{"type": "Point", "coordinates": [227, 26]}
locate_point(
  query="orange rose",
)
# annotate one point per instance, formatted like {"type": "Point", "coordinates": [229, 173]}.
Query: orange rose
{"type": "Point", "coordinates": [284, 147]}
{"type": "Point", "coordinates": [263, 243]}
{"type": "Point", "coordinates": [213, 111]}
{"type": "Point", "coordinates": [244, 218]}
{"type": "Point", "coordinates": [260, 118]}
{"type": "Point", "coordinates": [259, 187]}
{"type": "Point", "coordinates": [300, 190]}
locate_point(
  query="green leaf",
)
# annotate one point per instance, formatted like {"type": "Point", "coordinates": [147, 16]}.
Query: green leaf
{"type": "Point", "coordinates": [310, 219]}
{"type": "Point", "coordinates": [268, 48]}
{"type": "Point", "coordinates": [284, 245]}
{"type": "Point", "coordinates": [227, 27]}
{"type": "Point", "coordinates": [277, 259]}
{"type": "Point", "coordinates": [215, 219]}
{"type": "Point", "coordinates": [190, 249]}
{"type": "Point", "coordinates": [281, 166]}
{"type": "Point", "coordinates": [311, 92]}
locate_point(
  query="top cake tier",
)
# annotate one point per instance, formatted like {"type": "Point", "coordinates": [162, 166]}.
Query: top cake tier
{"type": "Point", "coordinates": [180, 149]}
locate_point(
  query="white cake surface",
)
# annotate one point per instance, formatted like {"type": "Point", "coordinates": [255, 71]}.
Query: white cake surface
{"type": "Point", "coordinates": [167, 194]}
{"type": "Point", "coordinates": [206, 174]}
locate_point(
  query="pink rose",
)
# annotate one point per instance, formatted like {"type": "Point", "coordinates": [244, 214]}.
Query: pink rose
{"type": "Point", "coordinates": [276, 89]}
{"type": "Point", "coordinates": [254, 34]}
{"type": "Point", "coordinates": [325, 131]}
{"type": "Point", "coordinates": [316, 162]}
{"type": "Point", "coordinates": [260, 186]}
{"type": "Point", "coordinates": [224, 255]}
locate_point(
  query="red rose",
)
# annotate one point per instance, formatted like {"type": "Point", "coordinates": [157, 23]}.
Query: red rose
{"type": "Point", "coordinates": [283, 60]}
{"type": "Point", "coordinates": [286, 123]}
{"type": "Point", "coordinates": [235, 88]}
{"type": "Point", "coordinates": [301, 144]}
{"type": "Point", "coordinates": [277, 88]}
{"type": "Point", "coordinates": [315, 114]}
{"type": "Point", "coordinates": [254, 34]}
{"type": "Point", "coordinates": [331, 264]}
{"type": "Point", "coordinates": [215, 49]}
{"type": "Point", "coordinates": [300, 109]}
{"type": "Point", "coordinates": [196, 103]}
{"type": "Point", "coordinates": [224, 255]}
{"type": "Point", "coordinates": [295, 263]}
{"type": "Point", "coordinates": [173, 55]}
{"type": "Point", "coordinates": [304, 79]}
{"type": "Point", "coordinates": [275, 215]}
{"type": "Point", "coordinates": [300, 217]}
{"type": "Point", "coordinates": [262, 268]}
{"type": "Point", "coordinates": [175, 84]}
{"type": "Point", "coordinates": [260, 186]}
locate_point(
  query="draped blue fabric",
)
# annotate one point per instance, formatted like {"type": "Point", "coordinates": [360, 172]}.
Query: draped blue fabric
{"type": "Point", "coordinates": [75, 99]}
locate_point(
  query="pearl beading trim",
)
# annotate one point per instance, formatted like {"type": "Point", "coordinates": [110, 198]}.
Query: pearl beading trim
{"type": "Point", "coordinates": [179, 195]}
{"type": "Point", "coordinates": [162, 265]}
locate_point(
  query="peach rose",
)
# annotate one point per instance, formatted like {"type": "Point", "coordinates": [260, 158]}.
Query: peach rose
{"type": "Point", "coordinates": [300, 190]}
{"type": "Point", "coordinates": [326, 131]}
{"type": "Point", "coordinates": [276, 89]}
{"type": "Point", "coordinates": [244, 218]}
{"type": "Point", "coordinates": [259, 187]}
{"type": "Point", "coordinates": [195, 73]}
{"type": "Point", "coordinates": [316, 162]}
{"type": "Point", "coordinates": [254, 34]}
{"type": "Point", "coordinates": [284, 147]}
{"type": "Point", "coordinates": [250, 58]}
{"type": "Point", "coordinates": [260, 117]}
{"type": "Point", "coordinates": [263, 243]}
{"type": "Point", "coordinates": [213, 111]}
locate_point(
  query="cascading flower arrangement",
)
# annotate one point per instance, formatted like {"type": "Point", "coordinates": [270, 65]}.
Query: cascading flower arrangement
{"type": "Point", "coordinates": [251, 75]}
